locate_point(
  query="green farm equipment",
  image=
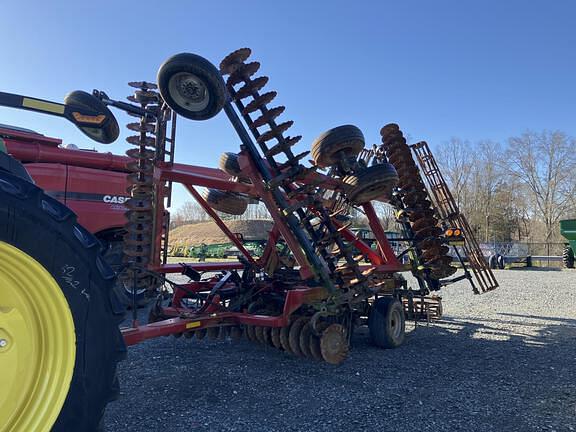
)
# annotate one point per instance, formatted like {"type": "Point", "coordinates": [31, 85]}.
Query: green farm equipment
{"type": "Point", "coordinates": [568, 231]}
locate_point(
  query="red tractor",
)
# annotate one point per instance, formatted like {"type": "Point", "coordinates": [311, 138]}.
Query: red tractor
{"type": "Point", "coordinates": [92, 184]}
{"type": "Point", "coordinates": [315, 283]}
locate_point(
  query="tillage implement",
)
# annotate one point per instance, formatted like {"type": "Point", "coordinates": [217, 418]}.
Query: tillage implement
{"type": "Point", "coordinates": [313, 285]}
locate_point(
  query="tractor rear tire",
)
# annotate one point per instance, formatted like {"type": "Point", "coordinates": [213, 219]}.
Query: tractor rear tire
{"type": "Point", "coordinates": [113, 255]}
{"type": "Point", "coordinates": [568, 257]}
{"type": "Point", "coordinates": [59, 316]}
{"type": "Point", "coordinates": [345, 140]}
{"type": "Point", "coordinates": [386, 322]}
{"type": "Point", "coordinates": [226, 202]}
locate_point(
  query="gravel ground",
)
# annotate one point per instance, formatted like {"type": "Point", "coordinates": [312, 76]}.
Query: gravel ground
{"type": "Point", "coordinates": [502, 361]}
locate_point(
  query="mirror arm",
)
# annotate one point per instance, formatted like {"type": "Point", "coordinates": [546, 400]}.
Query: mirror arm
{"type": "Point", "coordinates": [124, 106]}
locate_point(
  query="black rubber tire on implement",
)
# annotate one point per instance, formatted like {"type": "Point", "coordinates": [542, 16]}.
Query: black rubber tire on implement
{"type": "Point", "coordinates": [113, 255]}
{"type": "Point", "coordinates": [501, 262]}
{"type": "Point", "coordinates": [192, 86]}
{"type": "Point", "coordinates": [47, 231]}
{"type": "Point", "coordinates": [568, 257]}
{"type": "Point", "coordinates": [375, 182]}
{"type": "Point", "coordinates": [109, 131]}
{"type": "Point", "coordinates": [229, 164]}
{"type": "Point", "coordinates": [225, 202]}
{"type": "Point", "coordinates": [347, 139]}
{"type": "Point", "coordinates": [386, 322]}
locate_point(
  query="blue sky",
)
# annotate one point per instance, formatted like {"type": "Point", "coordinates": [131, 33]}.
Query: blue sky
{"type": "Point", "coordinates": [476, 70]}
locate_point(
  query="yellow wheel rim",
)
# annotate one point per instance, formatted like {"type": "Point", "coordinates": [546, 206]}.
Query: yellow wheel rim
{"type": "Point", "coordinates": [37, 344]}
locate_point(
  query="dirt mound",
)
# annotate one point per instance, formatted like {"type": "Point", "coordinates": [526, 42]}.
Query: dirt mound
{"type": "Point", "coordinates": [209, 233]}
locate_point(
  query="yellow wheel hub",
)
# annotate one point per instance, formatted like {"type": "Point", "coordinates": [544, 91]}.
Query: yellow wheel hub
{"type": "Point", "coordinates": [37, 344]}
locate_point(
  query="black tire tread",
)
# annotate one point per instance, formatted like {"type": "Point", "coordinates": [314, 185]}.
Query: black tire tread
{"type": "Point", "coordinates": [377, 322]}
{"type": "Point", "coordinates": [225, 201]}
{"type": "Point", "coordinates": [383, 176]}
{"type": "Point", "coordinates": [348, 138]}
{"type": "Point", "coordinates": [568, 257]}
{"type": "Point", "coordinates": [199, 66]}
{"type": "Point", "coordinates": [47, 221]}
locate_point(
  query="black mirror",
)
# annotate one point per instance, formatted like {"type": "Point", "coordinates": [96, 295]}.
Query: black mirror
{"type": "Point", "coordinates": [91, 116]}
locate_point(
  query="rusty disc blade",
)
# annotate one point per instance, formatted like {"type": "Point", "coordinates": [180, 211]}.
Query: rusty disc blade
{"type": "Point", "coordinates": [253, 86]}
{"type": "Point", "coordinates": [433, 231]}
{"type": "Point", "coordinates": [243, 72]}
{"type": "Point", "coordinates": [315, 350]}
{"type": "Point", "coordinates": [284, 338]}
{"type": "Point", "coordinates": [259, 333]}
{"type": "Point", "coordinates": [305, 336]}
{"type": "Point", "coordinates": [224, 333]}
{"type": "Point", "coordinates": [435, 251]}
{"type": "Point", "coordinates": [269, 115]}
{"type": "Point", "coordinates": [236, 333]}
{"type": "Point", "coordinates": [251, 333]}
{"type": "Point", "coordinates": [212, 332]}
{"type": "Point", "coordinates": [135, 140]}
{"type": "Point", "coordinates": [294, 336]}
{"type": "Point", "coordinates": [141, 127]}
{"type": "Point", "coordinates": [443, 272]}
{"type": "Point", "coordinates": [440, 261]}
{"type": "Point", "coordinates": [189, 334]}
{"type": "Point", "coordinates": [259, 102]}
{"type": "Point", "coordinates": [200, 334]}
{"type": "Point", "coordinates": [232, 60]}
{"type": "Point", "coordinates": [275, 336]}
{"type": "Point", "coordinates": [138, 204]}
{"type": "Point", "coordinates": [143, 85]}
{"type": "Point", "coordinates": [136, 153]}
{"type": "Point", "coordinates": [267, 336]}
{"type": "Point", "coordinates": [422, 223]}
{"type": "Point", "coordinates": [275, 132]}
{"type": "Point", "coordinates": [334, 344]}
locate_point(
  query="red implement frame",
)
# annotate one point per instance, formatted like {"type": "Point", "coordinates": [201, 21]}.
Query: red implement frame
{"type": "Point", "coordinates": [383, 259]}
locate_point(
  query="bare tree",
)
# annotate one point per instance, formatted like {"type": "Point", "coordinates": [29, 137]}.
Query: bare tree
{"type": "Point", "coordinates": [455, 160]}
{"type": "Point", "coordinates": [545, 163]}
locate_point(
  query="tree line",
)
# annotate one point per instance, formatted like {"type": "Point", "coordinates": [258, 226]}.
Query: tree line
{"type": "Point", "coordinates": [513, 191]}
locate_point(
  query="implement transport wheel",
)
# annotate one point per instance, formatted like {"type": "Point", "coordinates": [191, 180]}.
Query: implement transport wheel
{"type": "Point", "coordinates": [340, 142]}
{"type": "Point", "coordinates": [386, 322]}
{"type": "Point", "coordinates": [225, 202]}
{"type": "Point", "coordinates": [59, 316]}
{"type": "Point", "coordinates": [568, 257]}
{"type": "Point", "coordinates": [192, 86]}
{"type": "Point", "coordinates": [229, 164]}
{"type": "Point", "coordinates": [334, 344]}
{"type": "Point", "coordinates": [375, 182]}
